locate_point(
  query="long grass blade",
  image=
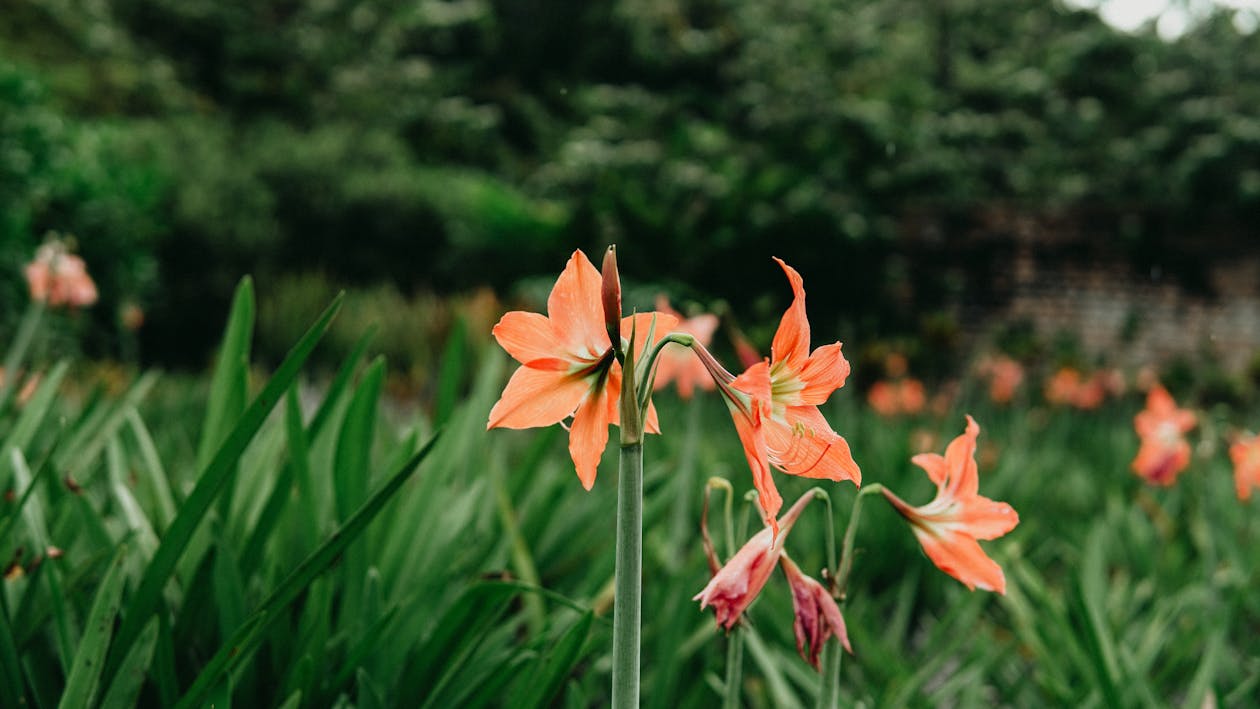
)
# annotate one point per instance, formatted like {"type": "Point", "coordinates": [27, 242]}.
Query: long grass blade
{"type": "Point", "coordinates": [85, 673]}
{"type": "Point", "coordinates": [149, 593]}
{"type": "Point", "coordinates": [245, 640]}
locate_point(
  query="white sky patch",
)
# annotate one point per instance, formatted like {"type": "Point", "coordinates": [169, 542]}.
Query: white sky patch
{"type": "Point", "coordinates": [1172, 17]}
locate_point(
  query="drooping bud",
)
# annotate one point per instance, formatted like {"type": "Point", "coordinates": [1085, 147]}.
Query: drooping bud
{"type": "Point", "coordinates": [610, 292]}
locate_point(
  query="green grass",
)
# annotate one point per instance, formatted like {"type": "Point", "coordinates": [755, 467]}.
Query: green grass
{"type": "Point", "coordinates": [291, 540]}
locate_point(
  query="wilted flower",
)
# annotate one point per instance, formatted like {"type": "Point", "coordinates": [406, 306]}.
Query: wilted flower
{"type": "Point", "coordinates": [736, 585]}
{"type": "Point", "coordinates": [58, 277]}
{"type": "Point", "coordinates": [1245, 453]}
{"type": "Point", "coordinates": [949, 526]}
{"type": "Point", "coordinates": [817, 613]}
{"type": "Point", "coordinates": [569, 367]}
{"type": "Point", "coordinates": [678, 364]}
{"type": "Point", "coordinates": [1164, 452]}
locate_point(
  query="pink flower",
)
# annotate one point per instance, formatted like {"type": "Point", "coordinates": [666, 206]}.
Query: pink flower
{"type": "Point", "coordinates": [817, 614]}
{"type": "Point", "coordinates": [734, 587]}
{"type": "Point", "coordinates": [58, 277]}
{"type": "Point", "coordinates": [678, 364]}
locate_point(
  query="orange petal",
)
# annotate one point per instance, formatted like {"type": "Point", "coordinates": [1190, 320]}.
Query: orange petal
{"type": "Point", "coordinates": [824, 372]}
{"type": "Point", "coordinates": [987, 519]}
{"type": "Point", "coordinates": [933, 465]}
{"type": "Point", "coordinates": [588, 436]}
{"type": "Point", "coordinates": [960, 556]}
{"type": "Point", "coordinates": [642, 324]}
{"type": "Point", "coordinates": [791, 340]}
{"type": "Point", "coordinates": [576, 309]}
{"type": "Point", "coordinates": [755, 382]}
{"type": "Point", "coordinates": [960, 463]}
{"type": "Point", "coordinates": [803, 444]}
{"type": "Point", "coordinates": [528, 337]}
{"type": "Point", "coordinates": [748, 427]}
{"type": "Point", "coordinates": [536, 397]}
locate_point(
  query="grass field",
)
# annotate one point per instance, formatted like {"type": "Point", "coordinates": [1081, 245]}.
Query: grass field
{"type": "Point", "coordinates": [286, 540]}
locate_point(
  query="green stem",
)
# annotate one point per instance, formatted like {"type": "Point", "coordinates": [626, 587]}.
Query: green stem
{"type": "Point", "coordinates": [829, 680]}
{"type": "Point", "coordinates": [734, 668]}
{"type": "Point", "coordinates": [829, 691]}
{"type": "Point", "coordinates": [627, 611]}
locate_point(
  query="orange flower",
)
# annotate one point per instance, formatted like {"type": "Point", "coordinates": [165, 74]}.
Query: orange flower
{"type": "Point", "coordinates": [678, 364]}
{"type": "Point", "coordinates": [1245, 452]}
{"type": "Point", "coordinates": [1061, 388]}
{"type": "Point", "coordinates": [775, 406]}
{"type": "Point", "coordinates": [903, 396]}
{"type": "Point", "coordinates": [1164, 452]}
{"type": "Point", "coordinates": [949, 525]}
{"type": "Point", "coordinates": [58, 277]}
{"type": "Point", "coordinates": [817, 614]}
{"type": "Point", "coordinates": [568, 365]}
{"type": "Point", "coordinates": [736, 585]}
{"type": "Point", "coordinates": [1005, 376]}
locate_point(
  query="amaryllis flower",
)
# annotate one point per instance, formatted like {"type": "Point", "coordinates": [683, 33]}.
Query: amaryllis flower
{"type": "Point", "coordinates": [1245, 453]}
{"type": "Point", "coordinates": [775, 406]}
{"type": "Point", "coordinates": [949, 525]}
{"type": "Point", "coordinates": [817, 614]}
{"type": "Point", "coordinates": [1005, 375]}
{"type": "Point", "coordinates": [58, 277]}
{"type": "Point", "coordinates": [893, 398]}
{"type": "Point", "coordinates": [734, 587]}
{"type": "Point", "coordinates": [1164, 452]}
{"type": "Point", "coordinates": [569, 367]}
{"type": "Point", "coordinates": [677, 363]}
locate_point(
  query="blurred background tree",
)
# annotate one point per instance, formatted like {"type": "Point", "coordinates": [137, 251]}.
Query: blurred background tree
{"type": "Point", "coordinates": [435, 145]}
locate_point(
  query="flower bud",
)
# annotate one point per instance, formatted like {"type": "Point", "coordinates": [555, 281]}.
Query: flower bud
{"type": "Point", "coordinates": [611, 295]}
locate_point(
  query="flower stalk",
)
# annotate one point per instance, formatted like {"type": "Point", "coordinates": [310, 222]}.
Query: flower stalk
{"type": "Point", "coordinates": [628, 569]}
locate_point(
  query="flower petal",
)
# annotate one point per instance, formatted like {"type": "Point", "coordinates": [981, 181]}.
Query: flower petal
{"type": "Point", "coordinates": [535, 397]}
{"type": "Point", "coordinates": [641, 324]}
{"type": "Point", "coordinates": [576, 309]}
{"type": "Point", "coordinates": [791, 340]}
{"type": "Point", "coordinates": [933, 464]}
{"type": "Point", "coordinates": [824, 372]}
{"type": "Point", "coordinates": [588, 436]}
{"type": "Point", "coordinates": [803, 444]}
{"type": "Point", "coordinates": [987, 519]}
{"type": "Point", "coordinates": [960, 556]}
{"type": "Point", "coordinates": [528, 337]}
{"type": "Point", "coordinates": [960, 463]}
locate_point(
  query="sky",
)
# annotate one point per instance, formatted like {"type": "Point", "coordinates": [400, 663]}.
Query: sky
{"type": "Point", "coordinates": [1172, 17]}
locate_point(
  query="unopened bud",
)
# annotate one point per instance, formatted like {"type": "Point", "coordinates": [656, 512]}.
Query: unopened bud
{"type": "Point", "coordinates": [610, 292]}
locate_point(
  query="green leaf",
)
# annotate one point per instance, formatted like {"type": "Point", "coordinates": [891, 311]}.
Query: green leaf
{"type": "Point", "coordinates": [451, 375]}
{"type": "Point", "coordinates": [354, 443]}
{"type": "Point", "coordinates": [148, 595]}
{"type": "Point", "coordinates": [125, 689]}
{"type": "Point", "coordinates": [12, 692]}
{"type": "Point", "coordinates": [85, 672]}
{"type": "Point", "coordinates": [230, 383]}
{"type": "Point", "coordinates": [550, 671]}
{"type": "Point", "coordinates": [246, 639]}
{"type": "Point", "coordinates": [463, 625]}
{"type": "Point", "coordinates": [33, 415]}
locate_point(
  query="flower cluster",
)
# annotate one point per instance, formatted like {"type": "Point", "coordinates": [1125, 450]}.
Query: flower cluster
{"type": "Point", "coordinates": [738, 583]}
{"type": "Point", "coordinates": [585, 364]}
{"type": "Point", "coordinates": [59, 278]}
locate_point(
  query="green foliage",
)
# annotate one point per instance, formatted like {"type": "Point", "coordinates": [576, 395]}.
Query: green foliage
{"type": "Point", "coordinates": [440, 145]}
